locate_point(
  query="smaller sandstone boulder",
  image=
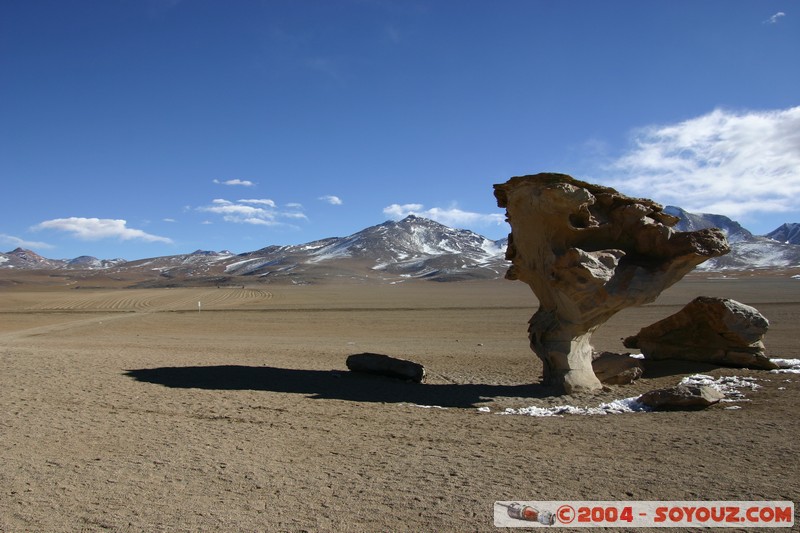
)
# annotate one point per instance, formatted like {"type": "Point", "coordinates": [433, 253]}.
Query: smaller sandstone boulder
{"type": "Point", "coordinates": [711, 330]}
{"type": "Point", "coordinates": [616, 368]}
{"type": "Point", "coordinates": [383, 365]}
{"type": "Point", "coordinates": [681, 397]}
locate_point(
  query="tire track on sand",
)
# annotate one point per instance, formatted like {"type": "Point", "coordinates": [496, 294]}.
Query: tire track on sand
{"type": "Point", "coordinates": [138, 305]}
{"type": "Point", "coordinates": [37, 331]}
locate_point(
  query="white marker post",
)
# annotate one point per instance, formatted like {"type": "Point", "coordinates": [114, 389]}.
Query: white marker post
{"type": "Point", "coordinates": [199, 305]}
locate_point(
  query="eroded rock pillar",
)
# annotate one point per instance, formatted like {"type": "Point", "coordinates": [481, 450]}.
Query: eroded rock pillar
{"type": "Point", "coordinates": [588, 252]}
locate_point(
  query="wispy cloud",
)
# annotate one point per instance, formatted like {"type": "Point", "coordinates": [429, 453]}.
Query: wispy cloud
{"type": "Point", "coordinates": [259, 201]}
{"type": "Point", "coordinates": [93, 229]}
{"type": "Point", "coordinates": [243, 183]}
{"type": "Point", "coordinates": [16, 242]}
{"type": "Point", "coordinates": [451, 216]}
{"type": "Point", "coordinates": [262, 212]}
{"type": "Point", "coordinates": [333, 200]}
{"type": "Point", "coordinates": [775, 18]}
{"type": "Point", "coordinates": [731, 163]}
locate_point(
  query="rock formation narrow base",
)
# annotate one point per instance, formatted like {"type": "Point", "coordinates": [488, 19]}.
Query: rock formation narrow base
{"type": "Point", "coordinates": [587, 252]}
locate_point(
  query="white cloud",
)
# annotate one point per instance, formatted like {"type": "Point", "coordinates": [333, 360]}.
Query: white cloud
{"type": "Point", "coordinates": [16, 242]}
{"type": "Point", "coordinates": [294, 205]}
{"type": "Point", "coordinates": [168, 220]}
{"type": "Point", "coordinates": [259, 201]}
{"type": "Point", "coordinates": [92, 229]}
{"type": "Point", "coordinates": [723, 162]}
{"type": "Point", "coordinates": [775, 18]}
{"type": "Point", "coordinates": [450, 217]}
{"type": "Point", "coordinates": [261, 212]}
{"type": "Point", "coordinates": [243, 183]}
{"type": "Point", "coordinates": [244, 214]}
{"type": "Point", "coordinates": [333, 200]}
{"type": "Point", "coordinates": [398, 211]}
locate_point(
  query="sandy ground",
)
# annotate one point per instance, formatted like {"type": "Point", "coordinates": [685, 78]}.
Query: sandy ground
{"type": "Point", "coordinates": [132, 410]}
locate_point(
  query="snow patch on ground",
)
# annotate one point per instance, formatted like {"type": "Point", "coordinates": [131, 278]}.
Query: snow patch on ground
{"type": "Point", "coordinates": [728, 385]}
{"type": "Point", "coordinates": [234, 266]}
{"type": "Point", "coordinates": [491, 248]}
{"type": "Point", "coordinates": [626, 405]}
{"type": "Point", "coordinates": [787, 366]}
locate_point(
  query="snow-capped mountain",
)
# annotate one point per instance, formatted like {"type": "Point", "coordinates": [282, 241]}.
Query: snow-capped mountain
{"type": "Point", "coordinates": [26, 259]}
{"type": "Point", "coordinates": [414, 247]}
{"type": "Point", "coordinates": [697, 221]}
{"type": "Point", "coordinates": [748, 251]}
{"type": "Point", "coordinates": [787, 233]}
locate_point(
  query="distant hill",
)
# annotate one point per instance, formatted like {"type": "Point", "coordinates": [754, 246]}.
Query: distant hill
{"type": "Point", "coordinates": [26, 259]}
{"type": "Point", "coordinates": [748, 251]}
{"type": "Point", "coordinates": [788, 233]}
{"type": "Point", "coordinates": [391, 252]}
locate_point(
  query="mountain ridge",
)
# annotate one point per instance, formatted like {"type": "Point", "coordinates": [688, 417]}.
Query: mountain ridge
{"type": "Point", "coordinates": [788, 233]}
{"type": "Point", "coordinates": [390, 252]}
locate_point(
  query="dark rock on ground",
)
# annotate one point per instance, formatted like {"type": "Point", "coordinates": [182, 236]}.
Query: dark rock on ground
{"type": "Point", "coordinates": [383, 365]}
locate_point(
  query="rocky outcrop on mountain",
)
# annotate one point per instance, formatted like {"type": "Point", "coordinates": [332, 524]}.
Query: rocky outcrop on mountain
{"type": "Point", "coordinates": [786, 233]}
{"type": "Point", "coordinates": [588, 252]}
{"type": "Point", "coordinates": [711, 330]}
{"type": "Point", "coordinates": [92, 263]}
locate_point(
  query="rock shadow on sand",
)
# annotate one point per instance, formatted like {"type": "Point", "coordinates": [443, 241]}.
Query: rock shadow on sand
{"type": "Point", "coordinates": [332, 385]}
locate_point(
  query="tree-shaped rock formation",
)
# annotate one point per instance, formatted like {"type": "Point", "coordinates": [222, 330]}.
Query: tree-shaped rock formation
{"type": "Point", "coordinates": [587, 252]}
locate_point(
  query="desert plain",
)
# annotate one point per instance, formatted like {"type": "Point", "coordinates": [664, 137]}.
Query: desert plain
{"type": "Point", "coordinates": [140, 410]}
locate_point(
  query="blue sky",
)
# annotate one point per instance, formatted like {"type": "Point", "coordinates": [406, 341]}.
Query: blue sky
{"type": "Point", "coordinates": [139, 128]}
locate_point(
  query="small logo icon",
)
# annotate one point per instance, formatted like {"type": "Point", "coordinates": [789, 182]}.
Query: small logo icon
{"type": "Point", "coordinates": [529, 514]}
{"type": "Point", "coordinates": [565, 514]}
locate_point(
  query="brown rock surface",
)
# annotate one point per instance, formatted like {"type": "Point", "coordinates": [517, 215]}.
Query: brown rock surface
{"type": "Point", "coordinates": [708, 329]}
{"type": "Point", "coordinates": [681, 397]}
{"type": "Point", "coordinates": [616, 369]}
{"type": "Point", "coordinates": [588, 252]}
